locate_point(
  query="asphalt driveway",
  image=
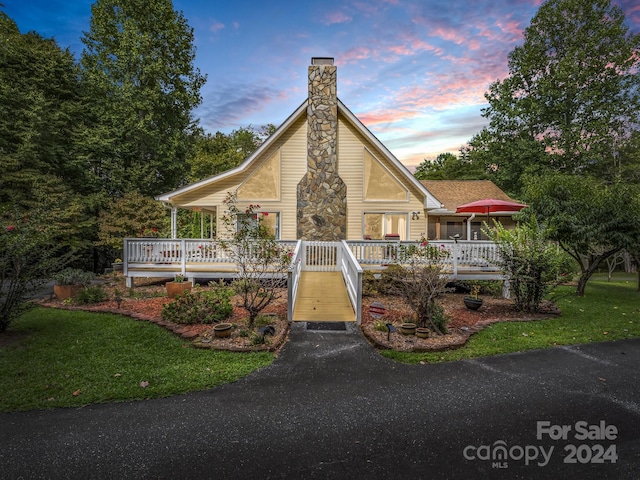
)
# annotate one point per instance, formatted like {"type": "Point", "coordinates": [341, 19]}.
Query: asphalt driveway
{"type": "Point", "coordinates": [331, 407]}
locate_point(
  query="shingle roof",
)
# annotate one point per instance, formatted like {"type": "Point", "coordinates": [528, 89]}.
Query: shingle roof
{"type": "Point", "coordinates": [453, 193]}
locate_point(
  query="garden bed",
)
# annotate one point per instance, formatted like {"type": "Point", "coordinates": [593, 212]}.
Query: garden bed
{"type": "Point", "coordinates": [148, 299]}
{"type": "Point", "coordinates": [463, 324]}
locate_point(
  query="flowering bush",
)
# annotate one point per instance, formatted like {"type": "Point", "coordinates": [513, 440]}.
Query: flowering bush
{"type": "Point", "coordinates": [262, 263]}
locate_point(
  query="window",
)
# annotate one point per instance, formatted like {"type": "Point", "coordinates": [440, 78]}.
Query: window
{"type": "Point", "coordinates": [270, 220]}
{"type": "Point", "coordinates": [377, 226]}
{"type": "Point", "coordinates": [379, 183]}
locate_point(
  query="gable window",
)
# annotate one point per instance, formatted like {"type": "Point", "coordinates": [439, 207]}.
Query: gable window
{"type": "Point", "coordinates": [379, 183]}
{"type": "Point", "coordinates": [264, 183]}
{"type": "Point", "coordinates": [269, 220]}
{"type": "Point", "coordinates": [385, 226]}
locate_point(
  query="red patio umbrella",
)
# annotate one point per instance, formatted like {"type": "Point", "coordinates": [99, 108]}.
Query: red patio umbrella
{"type": "Point", "coordinates": [490, 205]}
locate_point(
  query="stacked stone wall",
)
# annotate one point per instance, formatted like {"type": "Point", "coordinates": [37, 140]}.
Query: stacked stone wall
{"type": "Point", "coordinates": [321, 193]}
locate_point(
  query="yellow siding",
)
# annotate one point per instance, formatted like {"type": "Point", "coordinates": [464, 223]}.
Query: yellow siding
{"type": "Point", "coordinates": [351, 145]}
{"type": "Point", "coordinates": [293, 157]}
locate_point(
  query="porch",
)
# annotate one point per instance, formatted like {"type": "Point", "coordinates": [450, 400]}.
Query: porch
{"type": "Point", "coordinates": [207, 259]}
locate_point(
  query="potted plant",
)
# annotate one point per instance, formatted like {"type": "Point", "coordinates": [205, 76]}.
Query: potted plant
{"type": "Point", "coordinates": [117, 265]}
{"type": "Point", "coordinates": [422, 332]}
{"type": "Point", "coordinates": [222, 330]}
{"type": "Point", "coordinates": [70, 281]}
{"type": "Point", "coordinates": [178, 286]}
{"type": "Point", "coordinates": [408, 328]}
{"type": "Point", "coordinates": [473, 302]}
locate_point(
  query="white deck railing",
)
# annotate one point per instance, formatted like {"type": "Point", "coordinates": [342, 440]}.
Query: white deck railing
{"type": "Point", "coordinates": [352, 275]}
{"type": "Point", "coordinates": [194, 257]}
{"type": "Point", "coordinates": [293, 279]}
{"type": "Point", "coordinates": [464, 255]}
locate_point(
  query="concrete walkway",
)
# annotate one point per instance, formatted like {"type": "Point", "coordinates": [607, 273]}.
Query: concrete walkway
{"type": "Point", "coordinates": [331, 407]}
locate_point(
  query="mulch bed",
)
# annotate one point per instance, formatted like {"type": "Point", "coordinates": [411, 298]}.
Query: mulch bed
{"type": "Point", "coordinates": [463, 322]}
{"type": "Point", "coordinates": [148, 307]}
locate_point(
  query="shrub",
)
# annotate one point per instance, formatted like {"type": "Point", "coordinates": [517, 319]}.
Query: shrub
{"type": "Point", "coordinates": [380, 326]}
{"type": "Point", "coordinates": [200, 306]}
{"type": "Point", "coordinates": [418, 276]}
{"type": "Point", "coordinates": [369, 284]}
{"type": "Point", "coordinates": [262, 263]}
{"type": "Point", "coordinates": [74, 276]}
{"type": "Point", "coordinates": [389, 283]}
{"type": "Point", "coordinates": [532, 263]}
{"type": "Point", "coordinates": [92, 294]}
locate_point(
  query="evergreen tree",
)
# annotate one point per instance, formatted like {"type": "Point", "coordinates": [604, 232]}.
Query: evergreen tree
{"type": "Point", "coordinates": [40, 107]}
{"type": "Point", "coordinates": [142, 88]}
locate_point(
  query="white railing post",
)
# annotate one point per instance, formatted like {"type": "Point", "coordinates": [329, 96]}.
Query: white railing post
{"type": "Point", "coordinates": [455, 259]}
{"type": "Point", "coordinates": [352, 275]}
{"type": "Point", "coordinates": [293, 278]}
{"type": "Point", "coordinates": [182, 250]}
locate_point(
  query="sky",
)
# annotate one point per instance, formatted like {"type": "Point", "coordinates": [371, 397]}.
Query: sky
{"type": "Point", "coordinates": [413, 71]}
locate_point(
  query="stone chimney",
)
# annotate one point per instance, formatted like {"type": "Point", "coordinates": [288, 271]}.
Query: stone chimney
{"type": "Point", "coordinates": [321, 193]}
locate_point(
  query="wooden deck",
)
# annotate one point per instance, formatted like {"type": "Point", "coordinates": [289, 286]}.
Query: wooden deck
{"type": "Point", "coordinates": [322, 297]}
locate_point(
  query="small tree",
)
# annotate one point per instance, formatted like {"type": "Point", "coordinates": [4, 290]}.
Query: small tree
{"type": "Point", "coordinates": [262, 263]}
{"type": "Point", "coordinates": [418, 277]}
{"type": "Point", "coordinates": [31, 249]}
{"type": "Point", "coordinates": [531, 262]}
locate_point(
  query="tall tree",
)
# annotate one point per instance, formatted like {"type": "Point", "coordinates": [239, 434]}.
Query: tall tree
{"type": "Point", "coordinates": [40, 106]}
{"type": "Point", "coordinates": [573, 88]}
{"type": "Point", "coordinates": [142, 88]}
{"type": "Point", "coordinates": [448, 166]}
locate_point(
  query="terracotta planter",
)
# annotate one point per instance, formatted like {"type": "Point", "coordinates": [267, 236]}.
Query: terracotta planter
{"type": "Point", "coordinates": [408, 328]}
{"type": "Point", "coordinates": [174, 289]}
{"type": "Point", "coordinates": [63, 292]}
{"type": "Point", "coordinates": [222, 330]}
{"type": "Point", "coordinates": [422, 332]}
{"type": "Point", "coordinates": [472, 303]}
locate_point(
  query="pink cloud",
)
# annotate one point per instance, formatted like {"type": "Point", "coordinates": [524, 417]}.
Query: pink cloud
{"type": "Point", "coordinates": [337, 17]}
{"type": "Point", "coordinates": [355, 54]}
{"type": "Point", "coordinates": [216, 26]}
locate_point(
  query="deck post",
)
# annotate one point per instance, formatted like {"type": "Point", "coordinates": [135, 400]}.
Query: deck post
{"type": "Point", "coordinates": [183, 260]}
{"type": "Point", "coordinates": [174, 222]}
{"type": "Point", "coordinates": [455, 260]}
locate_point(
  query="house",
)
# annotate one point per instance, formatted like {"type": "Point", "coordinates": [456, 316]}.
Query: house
{"type": "Point", "coordinates": [322, 175]}
{"type": "Point", "coordinates": [444, 222]}
{"type": "Point", "coordinates": [331, 190]}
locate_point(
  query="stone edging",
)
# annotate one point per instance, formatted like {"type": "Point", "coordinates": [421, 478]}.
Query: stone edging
{"type": "Point", "coordinates": [197, 343]}
{"type": "Point", "coordinates": [466, 334]}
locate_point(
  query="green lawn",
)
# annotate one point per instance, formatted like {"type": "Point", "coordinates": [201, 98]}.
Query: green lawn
{"type": "Point", "coordinates": [608, 311]}
{"type": "Point", "coordinates": [103, 357]}
{"type": "Point", "coordinates": [72, 358]}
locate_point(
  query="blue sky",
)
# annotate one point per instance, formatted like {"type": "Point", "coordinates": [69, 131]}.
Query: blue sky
{"type": "Point", "coordinates": [413, 71]}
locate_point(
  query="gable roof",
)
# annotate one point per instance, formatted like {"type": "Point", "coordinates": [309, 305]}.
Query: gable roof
{"type": "Point", "coordinates": [430, 201]}
{"type": "Point", "coordinates": [453, 193]}
{"type": "Point", "coordinates": [298, 112]}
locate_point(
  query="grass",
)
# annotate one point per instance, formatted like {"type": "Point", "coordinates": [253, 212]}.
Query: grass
{"type": "Point", "coordinates": [74, 358]}
{"type": "Point", "coordinates": [608, 311]}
